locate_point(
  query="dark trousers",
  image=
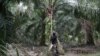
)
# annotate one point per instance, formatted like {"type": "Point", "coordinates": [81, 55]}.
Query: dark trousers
{"type": "Point", "coordinates": [55, 50]}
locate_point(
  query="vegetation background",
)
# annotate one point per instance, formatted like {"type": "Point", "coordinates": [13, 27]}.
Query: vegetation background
{"type": "Point", "coordinates": [31, 22]}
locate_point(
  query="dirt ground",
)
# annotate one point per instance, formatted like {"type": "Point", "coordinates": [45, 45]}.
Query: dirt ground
{"type": "Point", "coordinates": [42, 51]}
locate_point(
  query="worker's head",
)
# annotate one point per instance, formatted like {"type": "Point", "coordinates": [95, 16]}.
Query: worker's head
{"type": "Point", "coordinates": [54, 33]}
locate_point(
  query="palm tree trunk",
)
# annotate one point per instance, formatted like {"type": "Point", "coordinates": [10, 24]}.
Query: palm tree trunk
{"type": "Point", "coordinates": [87, 27]}
{"type": "Point", "coordinates": [49, 12]}
{"type": "Point", "coordinates": [43, 37]}
{"type": "Point", "coordinates": [3, 13]}
{"type": "Point", "coordinates": [89, 40]}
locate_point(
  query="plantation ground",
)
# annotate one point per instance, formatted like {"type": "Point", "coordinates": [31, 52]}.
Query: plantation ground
{"type": "Point", "coordinates": [42, 50]}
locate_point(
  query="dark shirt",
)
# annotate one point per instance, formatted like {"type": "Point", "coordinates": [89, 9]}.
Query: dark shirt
{"type": "Point", "coordinates": [53, 39]}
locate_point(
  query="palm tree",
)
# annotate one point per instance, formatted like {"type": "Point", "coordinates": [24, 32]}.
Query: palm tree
{"type": "Point", "coordinates": [47, 11]}
{"type": "Point", "coordinates": [51, 9]}
{"type": "Point", "coordinates": [87, 13]}
{"type": "Point", "coordinates": [53, 15]}
{"type": "Point", "coordinates": [3, 27]}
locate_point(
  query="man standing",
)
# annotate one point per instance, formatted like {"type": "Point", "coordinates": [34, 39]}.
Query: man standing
{"type": "Point", "coordinates": [53, 46]}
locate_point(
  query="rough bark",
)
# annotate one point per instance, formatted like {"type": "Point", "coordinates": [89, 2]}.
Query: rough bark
{"type": "Point", "coordinates": [88, 32]}
{"type": "Point", "coordinates": [43, 38]}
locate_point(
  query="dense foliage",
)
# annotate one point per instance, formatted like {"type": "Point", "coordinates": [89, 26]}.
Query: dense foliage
{"type": "Point", "coordinates": [32, 21]}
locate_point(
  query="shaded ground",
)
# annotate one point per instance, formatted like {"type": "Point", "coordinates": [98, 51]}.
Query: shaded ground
{"type": "Point", "coordinates": [42, 51]}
